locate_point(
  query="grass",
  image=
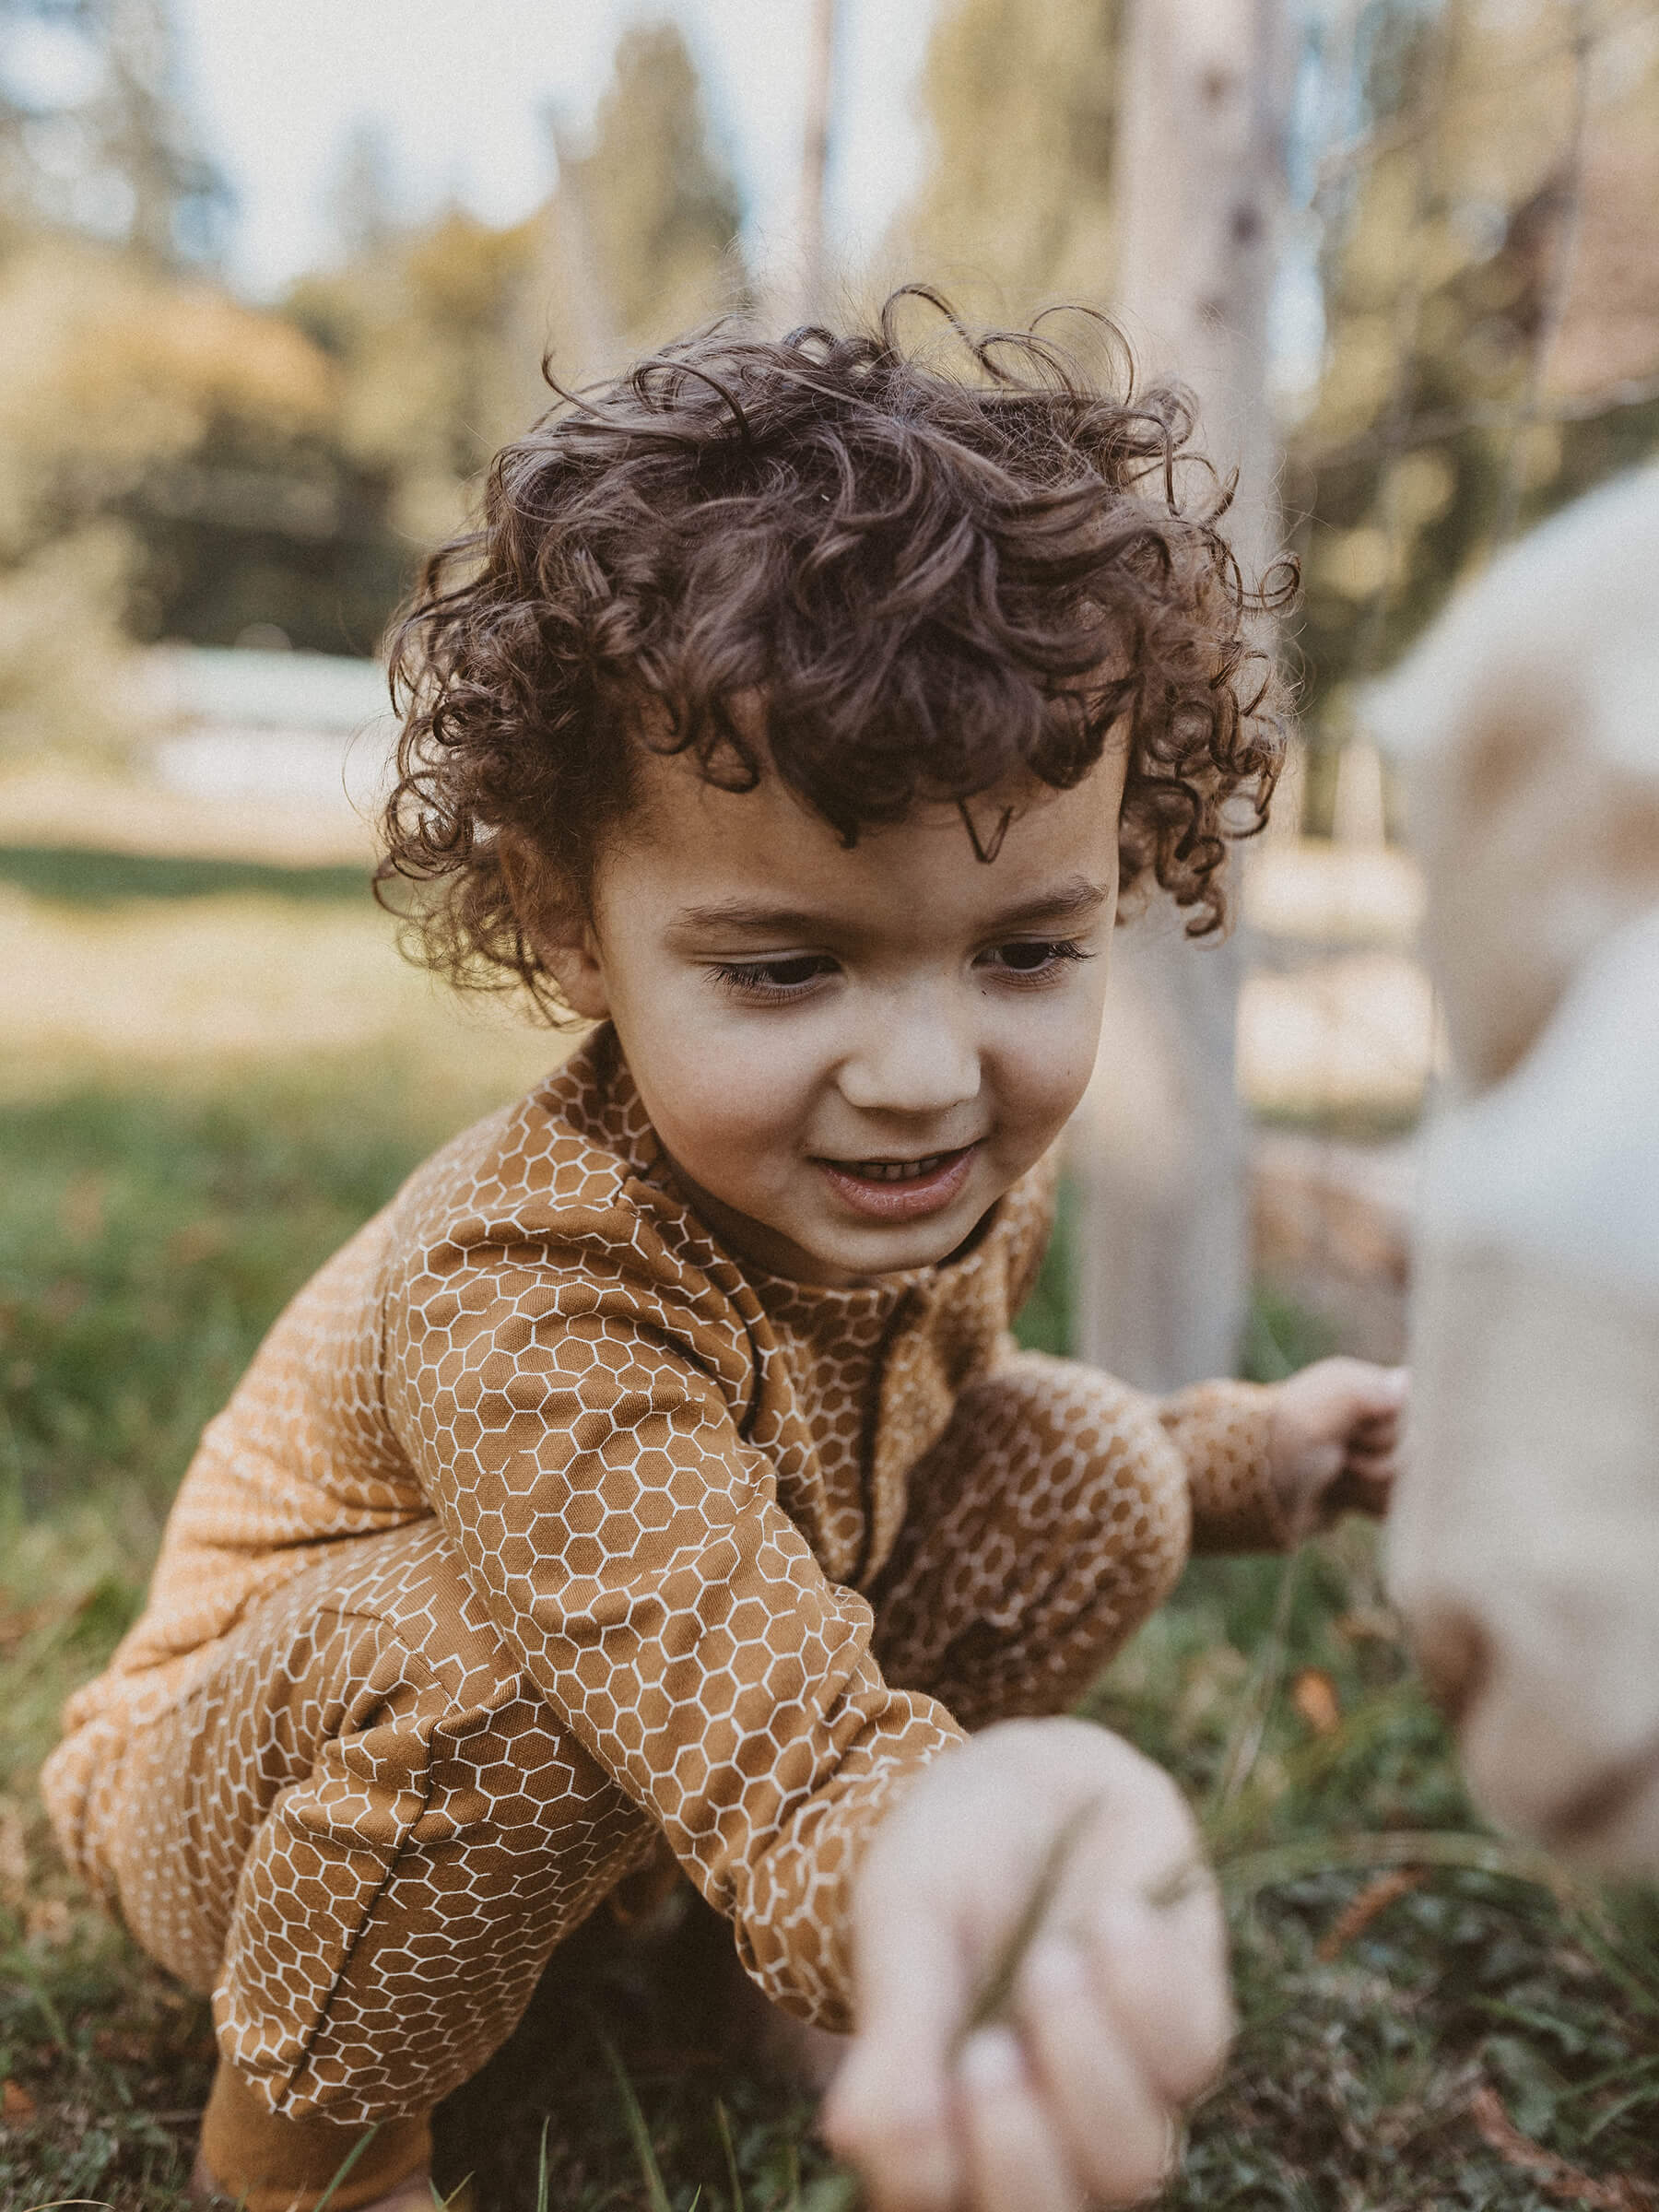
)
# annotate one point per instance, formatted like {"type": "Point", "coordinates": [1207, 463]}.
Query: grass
{"type": "Point", "coordinates": [87, 876]}
{"type": "Point", "coordinates": [149, 1236]}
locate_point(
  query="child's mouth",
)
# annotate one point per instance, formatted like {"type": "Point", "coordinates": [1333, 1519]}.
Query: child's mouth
{"type": "Point", "coordinates": [900, 1190]}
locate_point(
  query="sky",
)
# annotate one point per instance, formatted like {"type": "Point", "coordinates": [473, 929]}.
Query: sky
{"type": "Point", "coordinates": [461, 90]}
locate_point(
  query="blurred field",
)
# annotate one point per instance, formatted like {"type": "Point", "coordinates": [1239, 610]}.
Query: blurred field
{"type": "Point", "coordinates": [210, 1079]}
{"type": "Point", "coordinates": [100, 984]}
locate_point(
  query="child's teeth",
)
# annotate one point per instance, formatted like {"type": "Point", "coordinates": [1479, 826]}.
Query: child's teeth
{"type": "Point", "coordinates": [899, 1170]}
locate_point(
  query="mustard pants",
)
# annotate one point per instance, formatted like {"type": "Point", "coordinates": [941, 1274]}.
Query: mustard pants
{"type": "Point", "coordinates": [364, 1831]}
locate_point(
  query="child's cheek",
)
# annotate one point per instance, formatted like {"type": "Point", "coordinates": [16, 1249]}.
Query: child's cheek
{"type": "Point", "coordinates": [730, 1105]}
{"type": "Point", "coordinates": [1044, 1072]}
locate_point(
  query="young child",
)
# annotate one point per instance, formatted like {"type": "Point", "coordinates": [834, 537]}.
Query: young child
{"type": "Point", "coordinates": [658, 1464]}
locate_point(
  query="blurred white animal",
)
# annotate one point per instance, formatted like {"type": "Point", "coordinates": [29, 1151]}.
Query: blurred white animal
{"type": "Point", "coordinates": [1524, 1545]}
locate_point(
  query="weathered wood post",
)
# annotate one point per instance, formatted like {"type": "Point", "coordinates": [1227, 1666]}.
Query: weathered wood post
{"type": "Point", "coordinates": [1159, 1148]}
{"type": "Point", "coordinates": [815, 159]}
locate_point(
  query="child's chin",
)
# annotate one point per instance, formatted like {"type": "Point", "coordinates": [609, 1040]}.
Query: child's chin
{"type": "Point", "coordinates": [880, 1247]}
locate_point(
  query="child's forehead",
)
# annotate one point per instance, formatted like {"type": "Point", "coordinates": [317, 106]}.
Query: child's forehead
{"type": "Point", "coordinates": [672, 790]}
{"type": "Point", "coordinates": [691, 839]}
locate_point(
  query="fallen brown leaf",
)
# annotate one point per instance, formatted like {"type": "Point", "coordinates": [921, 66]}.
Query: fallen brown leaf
{"type": "Point", "coordinates": [1376, 1897]}
{"type": "Point", "coordinates": [1313, 1695]}
{"type": "Point", "coordinates": [16, 1625]}
{"type": "Point", "coordinates": [1557, 2176]}
{"type": "Point", "coordinates": [15, 2103]}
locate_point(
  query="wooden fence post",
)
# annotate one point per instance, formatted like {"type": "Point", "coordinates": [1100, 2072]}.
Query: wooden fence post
{"type": "Point", "coordinates": [1159, 1146]}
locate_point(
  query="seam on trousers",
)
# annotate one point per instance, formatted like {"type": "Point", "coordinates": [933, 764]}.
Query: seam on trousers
{"type": "Point", "coordinates": [324, 2010]}
{"type": "Point", "coordinates": [365, 1918]}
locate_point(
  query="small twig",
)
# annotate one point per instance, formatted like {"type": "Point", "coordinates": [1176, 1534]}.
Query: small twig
{"type": "Point", "coordinates": [1247, 1872]}
{"type": "Point", "coordinates": [1553, 2173]}
{"type": "Point", "coordinates": [62, 2204]}
{"type": "Point", "coordinates": [991, 2002]}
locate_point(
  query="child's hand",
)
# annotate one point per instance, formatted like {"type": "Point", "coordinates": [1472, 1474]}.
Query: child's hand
{"type": "Point", "coordinates": [1119, 2014]}
{"type": "Point", "coordinates": [1335, 1440]}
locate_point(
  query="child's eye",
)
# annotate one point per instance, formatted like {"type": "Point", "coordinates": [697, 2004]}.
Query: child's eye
{"type": "Point", "coordinates": [773, 978]}
{"type": "Point", "coordinates": [1036, 959]}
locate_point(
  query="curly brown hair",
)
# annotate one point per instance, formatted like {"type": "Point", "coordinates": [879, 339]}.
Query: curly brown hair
{"type": "Point", "coordinates": [836, 560]}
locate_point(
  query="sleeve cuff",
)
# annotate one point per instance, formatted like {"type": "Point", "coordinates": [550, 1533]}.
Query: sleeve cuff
{"type": "Point", "coordinates": [1221, 1430]}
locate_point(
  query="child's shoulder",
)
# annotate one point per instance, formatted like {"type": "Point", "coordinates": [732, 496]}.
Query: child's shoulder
{"type": "Point", "coordinates": [552, 1206]}
{"type": "Point", "coordinates": [571, 1148]}
{"type": "Point", "coordinates": [566, 1180]}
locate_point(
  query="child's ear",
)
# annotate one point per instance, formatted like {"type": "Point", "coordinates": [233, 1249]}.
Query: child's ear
{"type": "Point", "coordinates": [556, 925]}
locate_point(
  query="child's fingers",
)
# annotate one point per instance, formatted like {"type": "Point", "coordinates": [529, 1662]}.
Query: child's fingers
{"type": "Point", "coordinates": [1380, 1422]}
{"type": "Point", "coordinates": [1013, 2152]}
{"type": "Point", "coordinates": [1164, 1972]}
{"type": "Point", "coordinates": [1115, 2126]}
{"type": "Point", "coordinates": [1371, 1459]}
{"type": "Point", "coordinates": [1387, 1390]}
{"type": "Point", "coordinates": [889, 2109]}
{"type": "Point", "coordinates": [1357, 1492]}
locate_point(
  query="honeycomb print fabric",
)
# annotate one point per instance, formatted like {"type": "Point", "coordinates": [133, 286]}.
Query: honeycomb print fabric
{"type": "Point", "coordinates": [540, 1529]}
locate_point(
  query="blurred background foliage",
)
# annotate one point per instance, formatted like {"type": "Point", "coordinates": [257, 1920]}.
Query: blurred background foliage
{"type": "Point", "coordinates": [177, 464]}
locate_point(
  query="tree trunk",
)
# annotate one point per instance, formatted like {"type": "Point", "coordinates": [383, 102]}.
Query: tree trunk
{"type": "Point", "coordinates": [815, 159]}
{"type": "Point", "coordinates": [1159, 1148]}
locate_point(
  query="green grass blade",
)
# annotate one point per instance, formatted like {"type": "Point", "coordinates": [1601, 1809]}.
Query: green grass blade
{"type": "Point", "coordinates": [1244, 1874]}
{"type": "Point", "coordinates": [723, 2121]}
{"type": "Point", "coordinates": [541, 2166]}
{"type": "Point", "coordinates": [1256, 1707]}
{"type": "Point", "coordinates": [345, 2167]}
{"type": "Point", "coordinates": [639, 2133]}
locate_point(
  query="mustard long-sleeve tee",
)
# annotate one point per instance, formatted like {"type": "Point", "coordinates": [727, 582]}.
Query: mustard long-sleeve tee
{"type": "Point", "coordinates": [668, 1476]}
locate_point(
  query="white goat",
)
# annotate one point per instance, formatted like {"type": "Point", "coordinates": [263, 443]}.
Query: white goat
{"type": "Point", "coordinates": [1524, 1545]}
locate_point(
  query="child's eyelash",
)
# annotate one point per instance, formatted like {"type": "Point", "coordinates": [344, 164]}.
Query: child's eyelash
{"type": "Point", "coordinates": [1049, 951]}
{"type": "Point", "coordinates": [769, 978]}
{"type": "Point", "coordinates": [773, 978]}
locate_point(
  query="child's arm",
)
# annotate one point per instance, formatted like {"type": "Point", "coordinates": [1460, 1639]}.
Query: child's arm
{"type": "Point", "coordinates": [1118, 2016]}
{"type": "Point", "coordinates": [1270, 1464]}
{"type": "Point", "coordinates": [572, 1405]}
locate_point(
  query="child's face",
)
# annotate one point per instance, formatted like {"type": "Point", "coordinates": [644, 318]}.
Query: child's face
{"type": "Point", "coordinates": [849, 1055]}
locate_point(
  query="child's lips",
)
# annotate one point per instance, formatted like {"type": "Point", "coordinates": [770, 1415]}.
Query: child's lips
{"type": "Point", "coordinates": [920, 1187]}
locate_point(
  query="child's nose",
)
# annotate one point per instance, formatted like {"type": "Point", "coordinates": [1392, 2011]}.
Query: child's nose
{"type": "Point", "coordinates": [912, 1059]}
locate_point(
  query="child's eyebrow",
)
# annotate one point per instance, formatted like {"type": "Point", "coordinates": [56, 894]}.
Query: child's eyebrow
{"type": "Point", "coordinates": [744, 920]}
{"type": "Point", "coordinates": [1077, 900]}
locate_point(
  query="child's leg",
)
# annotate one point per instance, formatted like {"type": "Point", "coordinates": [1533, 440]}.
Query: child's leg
{"type": "Point", "coordinates": [1050, 1519]}
{"type": "Point", "coordinates": [367, 1831]}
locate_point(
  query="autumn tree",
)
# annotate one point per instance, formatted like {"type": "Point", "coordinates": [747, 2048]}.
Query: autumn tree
{"type": "Point", "coordinates": [118, 159]}
{"type": "Point", "coordinates": [660, 200]}
{"type": "Point", "coordinates": [1490, 278]}
{"type": "Point", "coordinates": [1020, 100]}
